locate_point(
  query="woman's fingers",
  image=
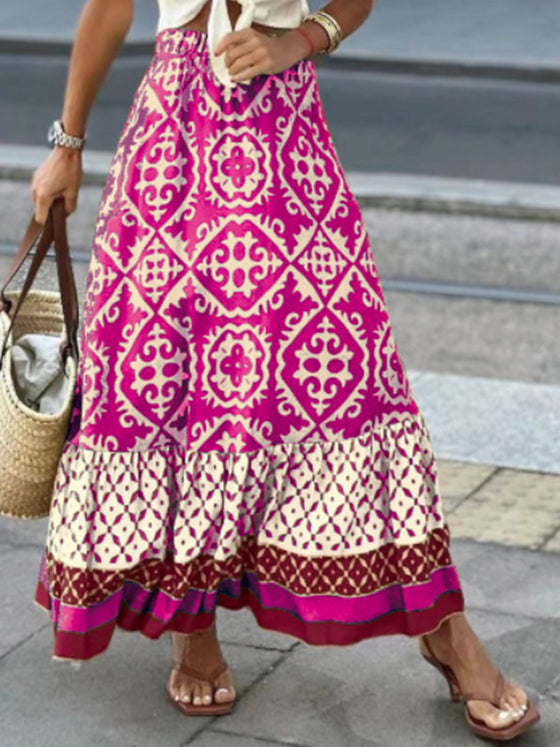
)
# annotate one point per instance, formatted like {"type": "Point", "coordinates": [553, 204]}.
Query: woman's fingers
{"type": "Point", "coordinates": [245, 68]}
{"type": "Point", "coordinates": [42, 205]}
{"type": "Point", "coordinates": [248, 49]}
{"type": "Point", "coordinates": [70, 202]}
{"type": "Point", "coordinates": [236, 38]}
{"type": "Point", "coordinates": [238, 47]}
{"type": "Point", "coordinates": [59, 175]}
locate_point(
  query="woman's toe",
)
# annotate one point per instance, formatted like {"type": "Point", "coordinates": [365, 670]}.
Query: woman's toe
{"type": "Point", "coordinates": [509, 704]}
{"type": "Point", "coordinates": [174, 688]}
{"type": "Point", "coordinates": [505, 718]}
{"type": "Point", "coordinates": [224, 691]}
{"type": "Point", "coordinates": [206, 693]}
{"type": "Point", "coordinates": [197, 695]}
{"type": "Point", "coordinates": [223, 695]}
{"type": "Point", "coordinates": [522, 699]}
{"type": "Point", "coordinates": [516, 699]}
{"type": "Point", "coordinates": [494, 718]}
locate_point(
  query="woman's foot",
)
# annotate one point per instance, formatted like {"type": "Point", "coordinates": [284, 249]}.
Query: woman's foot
{"type": "Point", "coordinates": [456, 644]}
{"type": "Point", "coordinates": [201, 651]}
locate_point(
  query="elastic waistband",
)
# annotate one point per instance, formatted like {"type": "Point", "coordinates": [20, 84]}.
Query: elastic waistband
{"type": "Point", "coordinates": [180, 41]}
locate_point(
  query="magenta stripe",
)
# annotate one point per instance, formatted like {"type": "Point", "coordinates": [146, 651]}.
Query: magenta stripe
{"type": "Point", "coordinates": [364, 608]}
{"type": "Point", "coordinates": [82, 619]}
{"type": "Point", "coordinates": [316, 608]}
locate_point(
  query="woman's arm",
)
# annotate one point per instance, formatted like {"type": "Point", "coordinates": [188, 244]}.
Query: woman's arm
{"type": "Point", "coordinates": [272, 55]}
{"type": "Point", "coordinates": [101, 29]}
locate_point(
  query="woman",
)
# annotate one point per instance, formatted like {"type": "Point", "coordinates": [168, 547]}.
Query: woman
{"type": "Point", "coordinates": [243, 431]}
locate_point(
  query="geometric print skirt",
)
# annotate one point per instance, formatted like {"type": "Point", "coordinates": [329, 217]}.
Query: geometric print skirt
{"type": "Point", "coordinates": [243, 431]}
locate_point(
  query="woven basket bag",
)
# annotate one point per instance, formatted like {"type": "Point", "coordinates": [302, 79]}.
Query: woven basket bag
{"type": "Point", "coordinates": [31, 441]}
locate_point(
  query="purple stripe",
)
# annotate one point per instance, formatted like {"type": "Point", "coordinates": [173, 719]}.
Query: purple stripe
{"type": "Point", "coordinates": [316, 608]}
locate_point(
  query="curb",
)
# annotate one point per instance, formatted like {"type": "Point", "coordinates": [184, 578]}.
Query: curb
{"type": "Point", "coordinates": [344, 59]}
{"type": "Point", "coordinates": [411, 192]}
{"type": "Point", "coordinates": [18, 162]}
{"type": "Point", "coordinates": [499, 199]}
{"type": "Point", "coordinates": [364, 62]}
{"type": "Point", "coordinates": [62, 47]}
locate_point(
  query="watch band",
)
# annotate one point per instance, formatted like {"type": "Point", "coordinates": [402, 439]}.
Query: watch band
{"type": "Point", "coordinates": [57, 136]}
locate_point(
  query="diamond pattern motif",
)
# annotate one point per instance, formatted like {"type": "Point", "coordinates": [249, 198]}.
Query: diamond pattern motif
{"type": "Point", "coordinates": [311, 498]}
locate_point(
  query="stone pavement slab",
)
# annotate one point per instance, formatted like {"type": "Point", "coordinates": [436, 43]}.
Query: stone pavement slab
{"type": "Point", "coordinates": [506, 506]}
{"type": "Point", "coordinates": [238, 627]}
{"type": "Point", "coordinates": [512, 507]}
{"type": "Point", "coordinates": [22, 533]}
{"type": "Point", "coordinates": [458, 480]}
{"type": "Point", "coordinates": [217, 739]}
{"type": "Point", "coordinates": [21, 619]}
{"type": "Point", "coordinates": [553, 544]}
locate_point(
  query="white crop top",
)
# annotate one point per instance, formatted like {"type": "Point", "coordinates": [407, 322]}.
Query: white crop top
{"type": "Point", "coordinates": [279, 13]}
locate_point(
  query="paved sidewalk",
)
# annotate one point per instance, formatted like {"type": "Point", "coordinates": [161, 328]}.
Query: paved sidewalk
{"type": "Point", "coordinates": [500, 37]}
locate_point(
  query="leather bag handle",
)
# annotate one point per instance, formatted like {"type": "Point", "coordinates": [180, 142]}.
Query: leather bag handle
{"type": "Point", "coordinates": [54, 228]}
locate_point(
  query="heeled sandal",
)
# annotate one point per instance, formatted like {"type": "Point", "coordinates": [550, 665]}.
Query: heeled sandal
{"type": "Point", "coordinates": [479, 726]}
{"type": "Point", "coordinates": [210, 709]}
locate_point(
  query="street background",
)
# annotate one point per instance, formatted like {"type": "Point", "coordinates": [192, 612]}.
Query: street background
{"type": "Point", "coordinates": [446, 118]}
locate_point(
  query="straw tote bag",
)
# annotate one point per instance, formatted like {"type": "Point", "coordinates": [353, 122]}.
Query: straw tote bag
{"type": "Point", "coordinates": [38, 369]}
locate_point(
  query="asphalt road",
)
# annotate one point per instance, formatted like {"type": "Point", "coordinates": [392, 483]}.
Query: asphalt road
{"type": "Point", "coordinates": [472, 128]}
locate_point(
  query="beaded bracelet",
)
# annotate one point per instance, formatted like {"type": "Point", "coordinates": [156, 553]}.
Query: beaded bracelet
{"type": "Point", "coordinates": [331, 27]}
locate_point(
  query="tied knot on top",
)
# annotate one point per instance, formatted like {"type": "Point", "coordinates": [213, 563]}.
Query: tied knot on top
{"type": "Point", "coordinates": [219, 24]}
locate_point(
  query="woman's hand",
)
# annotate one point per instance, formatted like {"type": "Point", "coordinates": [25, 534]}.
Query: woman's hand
{"type": "Point", "coordinates": [250, 53]}
{"type": "Point", "coordinates": [59, 174]}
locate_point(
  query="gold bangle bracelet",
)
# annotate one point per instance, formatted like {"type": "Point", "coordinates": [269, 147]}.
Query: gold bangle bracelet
{"type": "Point", "coordinates": [331, 27]}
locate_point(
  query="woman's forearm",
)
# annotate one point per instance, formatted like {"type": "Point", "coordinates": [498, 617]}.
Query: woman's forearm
{"type": "Point", "coordinates": [100, 32]}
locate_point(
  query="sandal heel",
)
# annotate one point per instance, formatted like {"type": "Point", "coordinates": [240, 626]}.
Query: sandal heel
{"type": "Point", "coordinates": [477, 726]}
{"type": "Point", "coordinates": [454, 690]}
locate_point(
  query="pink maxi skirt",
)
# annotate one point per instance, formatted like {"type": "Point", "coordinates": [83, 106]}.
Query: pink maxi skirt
{"type": "Point", "coordinates": [243, 433]}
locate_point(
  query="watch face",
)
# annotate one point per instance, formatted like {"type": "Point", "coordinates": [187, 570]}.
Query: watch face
{"type": "Point", "coordinates": [51, 136]}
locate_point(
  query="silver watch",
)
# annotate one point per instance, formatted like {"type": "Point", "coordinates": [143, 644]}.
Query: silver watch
{"type": "Point", "coordinates": [57, 136]}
